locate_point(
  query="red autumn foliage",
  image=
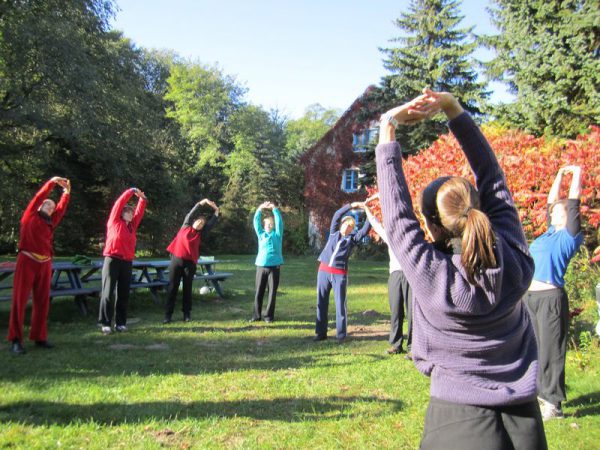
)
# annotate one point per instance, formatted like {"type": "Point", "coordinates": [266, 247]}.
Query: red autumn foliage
{"type": "Point", "coordinates": [530, 165]}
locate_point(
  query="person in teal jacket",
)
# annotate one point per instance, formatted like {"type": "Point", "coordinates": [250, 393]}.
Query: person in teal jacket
{"type": "Point", "coordinates": [268, 260]}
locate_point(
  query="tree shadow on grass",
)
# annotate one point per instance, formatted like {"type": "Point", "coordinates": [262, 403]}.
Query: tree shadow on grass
{"type": "Point", "coordinates": [146, 355]}
{"type": "Point", "coordinates": [585, 405]}
{"type": "Point", "coordinates": [44, 413]}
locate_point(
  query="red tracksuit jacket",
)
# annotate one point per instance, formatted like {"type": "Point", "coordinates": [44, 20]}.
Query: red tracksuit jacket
{"type": "Point", "coordinates": [36, 235]}
{"type": "Point", "coordinates": [120, 236]}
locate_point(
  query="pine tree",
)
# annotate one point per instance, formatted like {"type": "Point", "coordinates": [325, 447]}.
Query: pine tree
{"type": "Point", "coordinates": [432, 51]}
{"type": "Point", "coordinates": [548, 54]}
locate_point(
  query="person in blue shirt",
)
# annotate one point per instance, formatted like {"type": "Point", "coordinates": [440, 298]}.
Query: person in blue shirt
{"type": "Point", "coordinates": [546, 298]}
{"type": "Point", "coordinates": [333, 270]}
{"type": "Point", "coordinates": [268, 260]}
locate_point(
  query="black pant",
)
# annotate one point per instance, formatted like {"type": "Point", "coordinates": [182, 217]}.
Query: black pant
{"type": "Point", "coordinates": [116, 273]}
{"type": "Point", "coordinates": [549, 311]}
{"type": "Point", "coordinates": [266, 275]}
{"type": "Point", "coordinates": [399, 296]}
{"type": "Point", "coordinates": [178, 269]}
{"type": "Point", "coordinates": [455, 426]}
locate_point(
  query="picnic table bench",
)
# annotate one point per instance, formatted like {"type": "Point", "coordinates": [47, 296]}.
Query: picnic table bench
{"type": "Point", "coordinates": [77, 280]}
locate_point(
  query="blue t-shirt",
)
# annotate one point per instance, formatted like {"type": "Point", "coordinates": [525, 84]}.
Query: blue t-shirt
{"type": "Point", "coordinates": [552, 252]}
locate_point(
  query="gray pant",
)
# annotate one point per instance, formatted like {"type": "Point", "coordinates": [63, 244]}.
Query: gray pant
{"type": "Point", "coordinates": [549, 311]}
{"type": "Point", "coordinates": [399, 295]}
{"type": "Point", "coordinates": [116, 278]}
{"type": "Point", "coordinates": [466, 427]}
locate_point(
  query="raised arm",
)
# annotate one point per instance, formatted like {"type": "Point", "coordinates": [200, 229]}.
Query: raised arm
{"type": "Point", "coordinates": [212, 221]}
{"type": "Point", "coordinates": [258, 229]}
{"type": "Point", "coordinates": [139, 209]}
{"type": "Point", "coordinates": [61, 207]}
{"type": "Point", "coordinates": [365, 228]}
{"type": "Point", "coordinates": [377, 226]}
{"type": "Point", "coordinates": [573, 211]}
{"type": "Point", "coordinates": [278, 221]}
{"type": "Point", "coordinates": [555, 189]}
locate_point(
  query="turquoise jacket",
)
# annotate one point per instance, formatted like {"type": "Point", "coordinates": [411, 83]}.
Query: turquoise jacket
{"type": "Point", "coordinates": [269, 244]}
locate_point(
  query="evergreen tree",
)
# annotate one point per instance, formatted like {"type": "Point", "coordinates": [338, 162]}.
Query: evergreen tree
{"type": "Point", "coordinates": [432, 51]}
{"type": "Point", "coordinates": [547, 53]}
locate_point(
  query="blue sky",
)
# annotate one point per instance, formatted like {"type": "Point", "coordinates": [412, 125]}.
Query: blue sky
{"type": "Point", "coordinates": [288, 53]}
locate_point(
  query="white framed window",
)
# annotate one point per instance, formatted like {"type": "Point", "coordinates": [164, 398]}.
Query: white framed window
{"type": "Point", "coordinates": [361, 141]}
{"type": "Point", "coordinates": [350, 180]}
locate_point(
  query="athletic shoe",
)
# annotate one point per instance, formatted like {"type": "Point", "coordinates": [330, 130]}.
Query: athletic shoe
{"type": "Point", "coordinates": [17, 348]}
{"type": "Point", "coordinates": [550, 411]}
{"type": "Point", "coordinates": [319, 337]}
{"type": "Point", "coordinates": [106, 329]}
{"type": "Point", "coordinates": [121, 328]}
{"type": "Point", "coordinates": [394, 350]}
{"type": "Point", "coordinates": [167, 320]}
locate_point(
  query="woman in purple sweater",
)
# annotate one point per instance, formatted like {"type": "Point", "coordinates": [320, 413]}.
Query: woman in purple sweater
{"type": "Point", "coordinates": [472, 334]}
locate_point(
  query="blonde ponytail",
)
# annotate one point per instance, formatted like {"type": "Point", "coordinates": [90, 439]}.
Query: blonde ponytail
{"type": "Point", "coordinates": [458, 206]}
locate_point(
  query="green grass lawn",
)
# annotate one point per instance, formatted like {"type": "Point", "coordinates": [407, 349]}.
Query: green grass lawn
{"type": "Point", "coordinates": [220, 382]}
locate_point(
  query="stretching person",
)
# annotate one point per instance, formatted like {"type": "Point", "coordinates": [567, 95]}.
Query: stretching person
{"type": "Point", "coordinates": [546, 299]}
{"type": "Point", "coordinates": [398, 291]}
{"type": "Point", "coordinates": [34, 265]}
{"type": "Point", "coordinates": [119, 252]}
{"type": "Point", "coordinates": [333, 270]}
{"type": "Point", "coordinates": [472, 333]}
{"type": "Point", "coordinates": [268, 260]}
{"type": "Point", "coordinates": [185, 250]}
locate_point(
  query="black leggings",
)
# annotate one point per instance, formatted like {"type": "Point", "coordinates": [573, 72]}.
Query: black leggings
{"type": "Point", "coordinates": [268, 275]}
{"type": "Point", "coordinates": [178, 269]}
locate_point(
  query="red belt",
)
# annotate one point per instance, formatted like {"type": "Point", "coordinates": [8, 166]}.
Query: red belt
{"type": "Point", "coordinates": [325, 268]}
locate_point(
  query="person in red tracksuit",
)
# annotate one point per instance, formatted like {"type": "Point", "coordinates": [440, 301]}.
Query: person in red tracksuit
{"type": "Point", "coordinates": [119, 251]}
{"type": "Point", "coordinates": [185, 249]}
{"type": "Point", "coordinates": [34, 265]}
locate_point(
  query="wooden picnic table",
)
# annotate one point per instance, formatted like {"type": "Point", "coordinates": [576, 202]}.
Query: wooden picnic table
{"type": "Point", "coordinates": [77, 280]}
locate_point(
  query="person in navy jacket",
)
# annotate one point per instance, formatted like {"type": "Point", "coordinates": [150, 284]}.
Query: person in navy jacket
{"type": "Point", "coordinates": [333, 270]}
{"type": "Point", "coordinates": [119, 251]}
{"type": "Point", "coordinates": [185, 250]}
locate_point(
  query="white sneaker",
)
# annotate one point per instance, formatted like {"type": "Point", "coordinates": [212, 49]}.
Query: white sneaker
{"type": "Point", "coordinates": [121, 328]}
{"type": "Point", "coordinates": [106, 330]}
{"type": "Point", "coordinates": [550, 411]}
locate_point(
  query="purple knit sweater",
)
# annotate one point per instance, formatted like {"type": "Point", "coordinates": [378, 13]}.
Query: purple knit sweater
{"type": "Point", "coordinates": [474, 341]}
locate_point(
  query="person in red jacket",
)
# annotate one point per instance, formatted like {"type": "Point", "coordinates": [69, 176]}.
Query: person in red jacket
{"type": "Point", "coordinates": [34, 265]}
{"type": "Point", "coordinates": [185, 249]}
{"type": "Point", "coordinates": [119, 251]}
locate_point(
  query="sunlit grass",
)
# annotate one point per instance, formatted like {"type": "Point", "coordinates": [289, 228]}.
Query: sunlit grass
{"type": "Point", "coordinates": [221, 382]}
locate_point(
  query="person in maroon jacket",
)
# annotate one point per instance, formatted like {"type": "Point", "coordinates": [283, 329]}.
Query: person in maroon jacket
{"type": "Point", "coordinates": [34, 265]}
{"type": "Point", "coordinates": [185, 250]}
{"type": "Point", "coordinates": [119, 251]}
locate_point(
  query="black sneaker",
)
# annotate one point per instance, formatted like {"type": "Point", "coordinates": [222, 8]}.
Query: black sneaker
{"type": "Point", "coordinates": [319, 337]}
{"type": "Point", "coordinates": [255, 319]}
{"type": "Point", "coordinates": [167, 320]}
{"type": "Point", "coordinates": [268, 320]}
{"type": "Point", "coordinates": [17, 348]}
{"type": "Point", "coordinates": [187, 318]}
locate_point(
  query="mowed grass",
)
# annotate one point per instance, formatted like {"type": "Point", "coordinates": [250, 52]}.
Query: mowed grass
{"type": "Point", "coordinates": [220, 382]}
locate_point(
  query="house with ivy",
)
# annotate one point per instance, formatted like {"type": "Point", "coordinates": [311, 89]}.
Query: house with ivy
{"type": "Point", "coordinates": [333, 168]}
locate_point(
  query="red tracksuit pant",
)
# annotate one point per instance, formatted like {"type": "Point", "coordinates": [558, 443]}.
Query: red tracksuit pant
{"type": "Point", "coordinates": [30, 275]}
